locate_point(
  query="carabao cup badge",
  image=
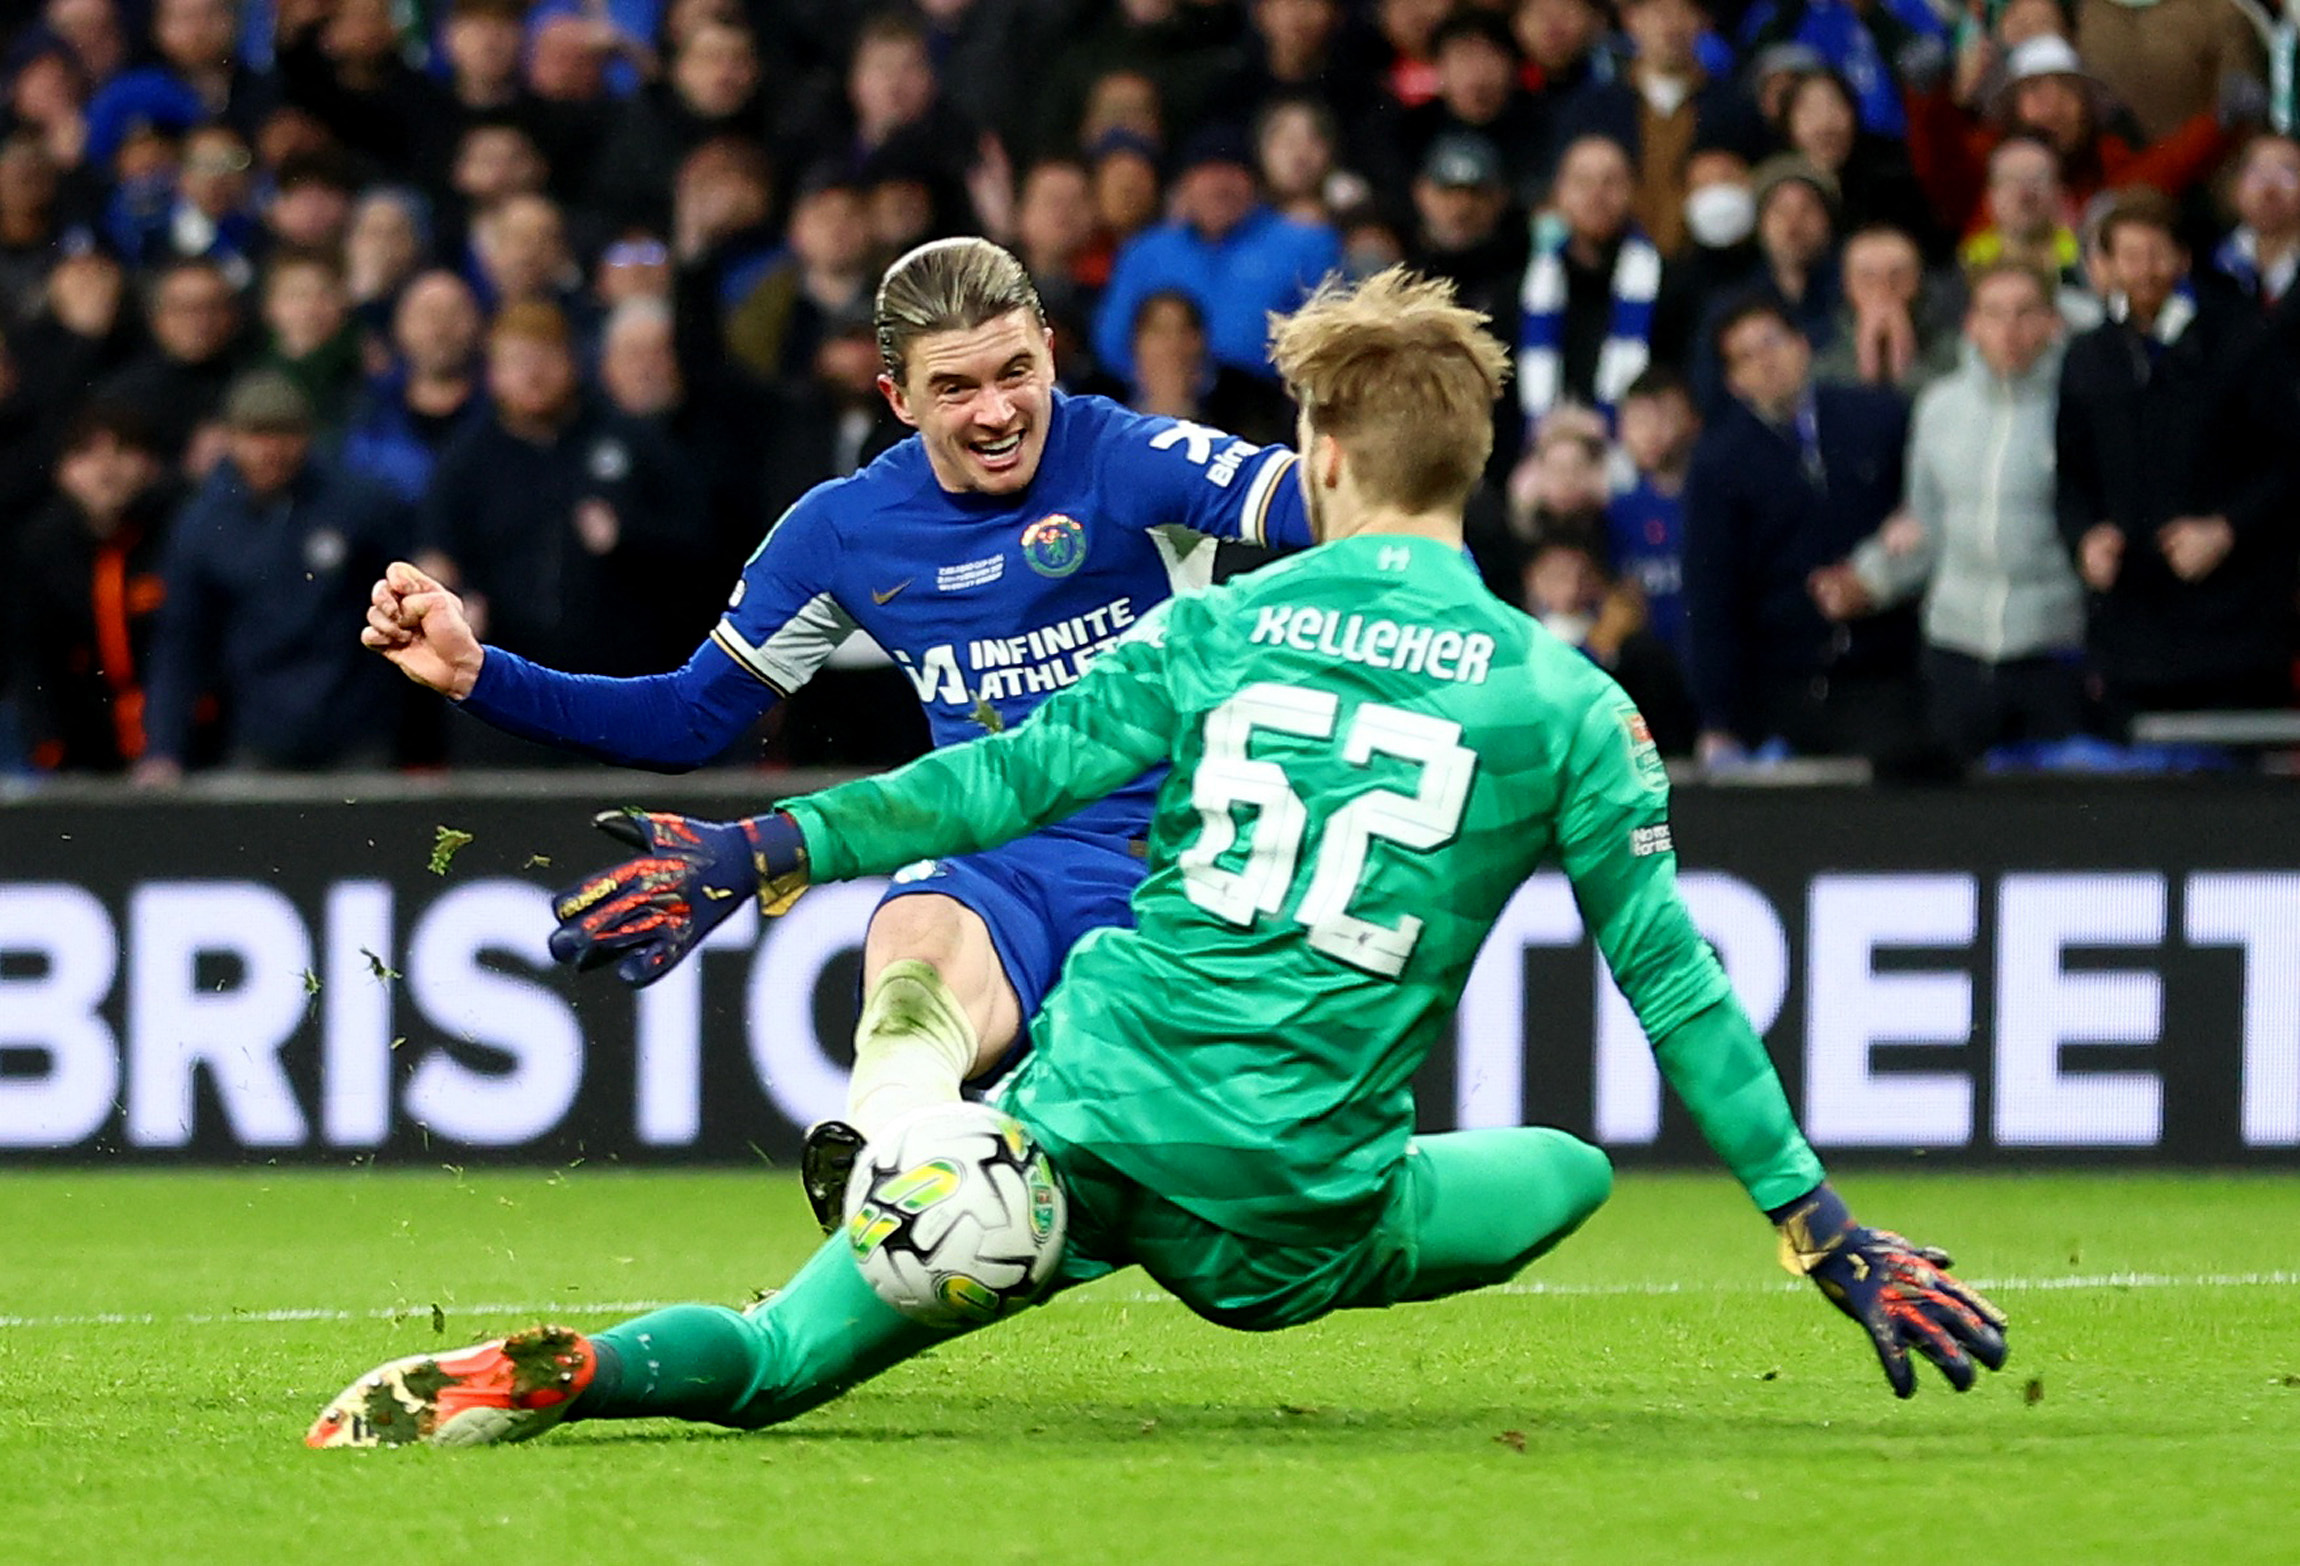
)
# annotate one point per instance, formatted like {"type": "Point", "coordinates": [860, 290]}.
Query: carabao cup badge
{"type": "Point", "coordinates": [1054, 545]}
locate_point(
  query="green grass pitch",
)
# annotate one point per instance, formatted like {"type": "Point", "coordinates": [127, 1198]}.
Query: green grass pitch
{"type": "Point", "coordinates": [1655, 1391]}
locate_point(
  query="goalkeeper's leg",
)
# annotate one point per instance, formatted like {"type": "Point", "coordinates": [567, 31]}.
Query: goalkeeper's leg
{"type": "Point", "coordinates": [1486, 1204]}
{"type": "Point", "coordinates": [818, 1337]}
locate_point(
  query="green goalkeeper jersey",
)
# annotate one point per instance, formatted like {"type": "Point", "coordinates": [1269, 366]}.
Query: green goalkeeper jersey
{"type": "Point", "coordinates": [1370, 752]}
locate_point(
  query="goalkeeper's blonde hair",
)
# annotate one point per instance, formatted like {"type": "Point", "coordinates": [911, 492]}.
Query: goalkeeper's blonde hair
{"type": "Point", "coordinates": [1403, 376]}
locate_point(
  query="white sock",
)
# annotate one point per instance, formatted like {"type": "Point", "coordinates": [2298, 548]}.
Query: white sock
{"type": "Point", "coordinates": [913, 1046]}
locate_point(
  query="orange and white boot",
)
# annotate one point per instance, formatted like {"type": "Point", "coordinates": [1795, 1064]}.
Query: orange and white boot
{"type": "Point", "coordinates": [512, 1389]}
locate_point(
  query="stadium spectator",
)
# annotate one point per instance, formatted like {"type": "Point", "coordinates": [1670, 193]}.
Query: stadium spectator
{"type": "Point", "coordinates": [826, 275]}
{"type": "Point", "coordinates": [1055, 235]}
{"type": "Point", "coordinates": [1645, 521]}
{"type": "Point", "coordinates": [2023, 220]}
{"type": "Point", "coordinates": [1895, 326]}
{"type": "Point", "coordinates": [29, 237]}
{"type": "Point", "coordinates": [1124, 168]}
{"type": "Point", "coordinates": [2003, 614]}
{"type": "Point", "coordinates": [1661, 107]}
{"type": "Point", "coordinates": [1566, 586]}
{"type": "Point", "coordinates": [1478, 92]}
{"type": "Point", "coordinates": [1859, 41]}
{"type": "Point", "coordinates": [2262, 253]}
{"type": "Point", "coordinates": [1238, 259]}
{"type": "Point", "coordinates": [1564, 44]}
{"type": "Point", "coordinates": [87, 594]}
{"type": "Point", "coordinates": [1721, 254]}
{"type": "Point", "coordinates": [1467, 231]}
{"type": "Point", "coordinates": [1175, 375]}
{"type": "Point", "coordinates": [342, 65]}
{"type": "Point", "coordinates": [1176, 52]}
{"type": "Point", "coordinates": [1788, 481]}
{"type": "Point", "coordinates": [264, 567]}
{"type": "Point", "coordinates": [1796, 268]}
{"type": "Point", "coordinates": [214, 213]}
{"type": "Point", "coordinates": [1408, 30]}
{"type": "Point", "coordinates": [890, 86]}
{"type": "Point", "coordinates": [82, 333]}
{"type": "Point", "coordinates": [47, 98]}
{"type": "Point", "coordinates": [1300, 49]}
{"type": "Point", "coordinates": [1585, 325]}
{"type": "Point", "coordinates": [179, 383]}
{"type": "Point", "coordinates": [195, 78]}
{"type": "Point", "coordinates": [542, 512]}
{"type": "Point", "coordinates": [2048, 94]}
{"type": "Point", "coordinates": [2175, 431]}
{"type": "Point", "coordinates": [521, 247]}
{"type": "Point", "coordinates": [409, 414]}
{"type": "Point", "coordinates": [387, 244]}
{"type": "Point", "coordinates": [712, 90]}
{"type": "Point", "coordinates": [310, 203]}
{"type": "Point", "coordinates": [982, 50]}
{"type": "Point", "coordinates": [2167, 61]}
{"type": "Point", "coordinates": [1296, 148]}
{"type": "Point", "coordinates": [1820, 122]}
{"type": "Point", "coordinates": [312, 339]}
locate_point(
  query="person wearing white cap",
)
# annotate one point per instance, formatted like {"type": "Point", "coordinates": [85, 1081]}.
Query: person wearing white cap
{"type": "Point", "coordinates": [2050, 94]}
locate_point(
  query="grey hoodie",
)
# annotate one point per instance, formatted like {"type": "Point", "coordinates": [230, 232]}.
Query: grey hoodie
{"type": "Point", "coordinates": [1997, 580]}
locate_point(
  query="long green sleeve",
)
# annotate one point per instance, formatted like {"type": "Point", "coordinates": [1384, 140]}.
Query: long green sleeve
{"type": "Point", "coordinates": [1083, 742]}
{"type": "Point", "coordinates": [1614, 841]}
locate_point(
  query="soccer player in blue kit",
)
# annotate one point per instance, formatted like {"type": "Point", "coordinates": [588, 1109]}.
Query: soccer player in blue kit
{"type": "Point", "coordinates": [1018, 535]}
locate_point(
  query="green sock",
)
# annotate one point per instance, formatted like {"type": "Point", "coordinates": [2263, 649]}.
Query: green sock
{"type": "Point", "coordinates": [1489, 1202]}
{"type": "Point", "coordinates": [825, 1333]}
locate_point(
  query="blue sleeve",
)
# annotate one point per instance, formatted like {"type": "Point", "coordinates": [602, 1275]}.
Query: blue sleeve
{"type": "Point", "coordinates": [669, 722]}
{"type": "Point", "coordinates": [779, 627]}
{"type": "Point", "coordinates": [1162, 472]}
{"type": "Point", "coordinates": [785, 619]}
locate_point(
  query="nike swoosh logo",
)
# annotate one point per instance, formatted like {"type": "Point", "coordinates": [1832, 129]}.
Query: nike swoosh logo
{"type": "Point", "coordinates": [878, 597]}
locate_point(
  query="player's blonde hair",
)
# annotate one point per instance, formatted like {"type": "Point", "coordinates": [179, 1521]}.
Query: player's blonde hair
{"type": "Point", "coordinates": [948, 285]}
{"type": "Point", "coordinates": [1403, 376]}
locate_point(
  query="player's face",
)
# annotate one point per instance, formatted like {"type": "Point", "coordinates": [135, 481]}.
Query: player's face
{"type": "Point", "coordinates": [979, 399]}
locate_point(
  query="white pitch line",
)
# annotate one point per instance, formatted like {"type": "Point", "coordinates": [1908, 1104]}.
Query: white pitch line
{"type": "Point", "coordinates": [555, 1308]}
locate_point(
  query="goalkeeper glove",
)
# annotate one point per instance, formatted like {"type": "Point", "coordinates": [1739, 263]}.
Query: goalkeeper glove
{"type": "Point", "coordinates": [649, 912]}
{"type": "Point", "coordinates": [1900, 1293]}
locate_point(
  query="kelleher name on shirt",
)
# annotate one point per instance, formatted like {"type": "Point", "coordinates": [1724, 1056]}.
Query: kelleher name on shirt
{"type": "Point", "coordinates": [1031, 664]}
{"type": "Point", "coordinates": [1377, 643]}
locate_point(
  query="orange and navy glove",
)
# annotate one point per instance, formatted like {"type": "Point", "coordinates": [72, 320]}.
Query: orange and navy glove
{"type": "Point", "coordinates": [645, 914]}
{"type": "Point", "coordinates": [1902, 1294]}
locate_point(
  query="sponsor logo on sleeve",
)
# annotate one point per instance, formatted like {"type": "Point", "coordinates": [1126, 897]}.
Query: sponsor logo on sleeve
{"type": "Point", "coordinates": [1646, 841]}
{"type": "Point", "coordinates": [1644, 754]}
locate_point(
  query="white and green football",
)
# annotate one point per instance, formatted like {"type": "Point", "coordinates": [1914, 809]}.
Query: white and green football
{"type": "Point", "coordinates": [954, 1215]}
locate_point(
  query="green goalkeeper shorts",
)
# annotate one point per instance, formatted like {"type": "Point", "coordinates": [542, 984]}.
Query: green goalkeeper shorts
{"type": "Point", "coordinates": [1231, 1279]}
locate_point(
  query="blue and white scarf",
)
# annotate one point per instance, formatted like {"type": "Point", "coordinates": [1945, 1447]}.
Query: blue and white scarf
{"type": "Point", "coordinates": [1541, 325]}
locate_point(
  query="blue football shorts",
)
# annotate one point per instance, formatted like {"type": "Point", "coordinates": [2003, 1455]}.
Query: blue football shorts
{"type": "Point", "coordinates": [1038, 895]}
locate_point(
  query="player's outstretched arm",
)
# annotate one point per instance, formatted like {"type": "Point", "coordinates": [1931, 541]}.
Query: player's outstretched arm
{"type": "Point", "coordinates": [1902, 1294]}
{"type": "Point", "coordinates": [1614, 839]}
{"type": "Point", "coordinates": [648, 912]}
{"type": "Point", "coordinates": [670, 722]}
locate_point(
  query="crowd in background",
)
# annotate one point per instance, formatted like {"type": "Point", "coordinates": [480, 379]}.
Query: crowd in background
{"type": "Point", "coordinates": [1893, 379]}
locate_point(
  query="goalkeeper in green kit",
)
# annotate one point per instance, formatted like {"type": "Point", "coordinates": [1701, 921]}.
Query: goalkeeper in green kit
{"type": "Point", "coordinates": [1369, 753]}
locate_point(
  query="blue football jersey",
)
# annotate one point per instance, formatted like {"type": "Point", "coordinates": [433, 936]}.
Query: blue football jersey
{"type": "Point", "coordinates": [991, 603]}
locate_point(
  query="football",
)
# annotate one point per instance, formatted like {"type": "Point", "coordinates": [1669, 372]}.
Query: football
{"type": "Point", "coordinates": [955, 1216]}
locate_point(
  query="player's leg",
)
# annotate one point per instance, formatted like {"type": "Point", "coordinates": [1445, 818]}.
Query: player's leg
{"type": "Point", "coordinates": [955, 963]}
{"type": "Point", "coordinates": [823, 1334]}
{"type": "Point", "coordinates": [1484, 1205]}
{"type": "Point", "coordinates": [937, 1008]}
{"type": "Point", "coordinates": [1465, 1210]}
